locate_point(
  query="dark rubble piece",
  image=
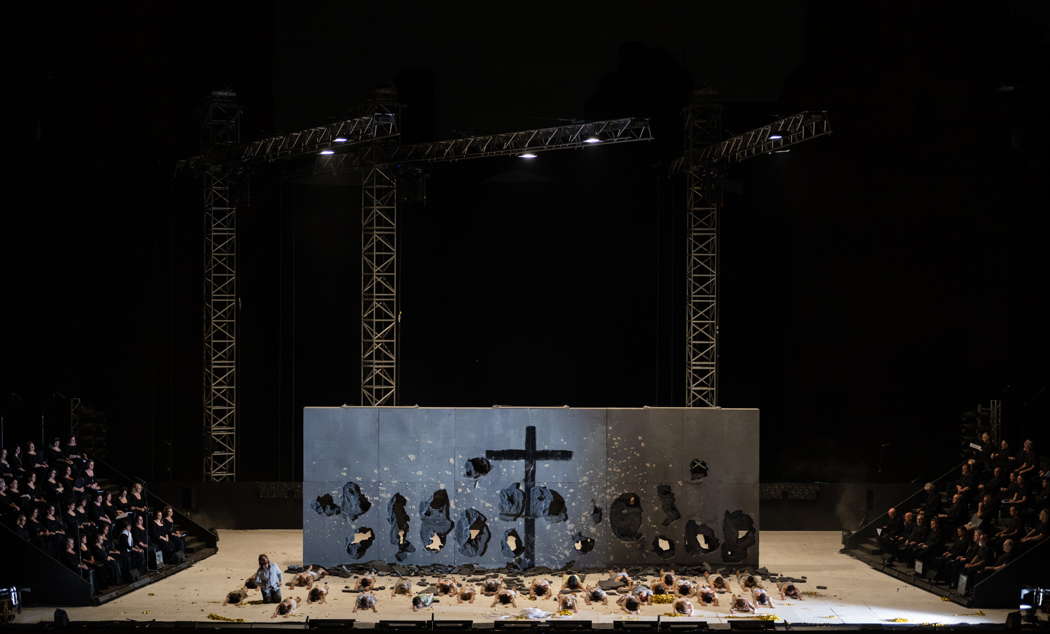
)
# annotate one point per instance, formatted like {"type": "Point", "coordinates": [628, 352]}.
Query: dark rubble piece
{"type": "Point", "coordinates": [398, 519]}
{"type": "Point", "coordinates": [355, 503]}
{"type": "Point", "coordinates": [435, 521]}
{"type": "Point", "coordinates": [548, 504]}
{"type": "Point", "coordinates": [735, 545]}
{"type": "Point", "coordinates": [596, 513]}
{"type": "Point", "coordinates": [359, 543]}
{"type": "Point", "coordinates": [625, 517]}
{"type": "Point", "coordinates": [325, 505]}
{"type": "Point", "coordinates": [477, 467]}
{"type": "Point", "coordinates": [511, 502]}
{"type": "Point", "coordinates": [693, 531]}
{"type": "Point", "coordinates": [609, 584]}
{"type": "Point", "coordinates": [472, 536]}
{"type": "Point", "coordinates": [667, 504]}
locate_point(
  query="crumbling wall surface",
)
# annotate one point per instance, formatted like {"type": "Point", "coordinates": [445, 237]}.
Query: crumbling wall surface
{"type": "Point", "coordinates": [602, 487]}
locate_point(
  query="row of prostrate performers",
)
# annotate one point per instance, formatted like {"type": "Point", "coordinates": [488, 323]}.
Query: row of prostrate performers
{"type": "Point", "coordinates": [995, 510]}
{"type": "Point", "coordinates": [52, 499]}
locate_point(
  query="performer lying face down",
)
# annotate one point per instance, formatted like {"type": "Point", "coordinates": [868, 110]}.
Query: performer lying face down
{"type": "Point", "coordinates": [466, 594]}
{"type": "Point", "coordinates": [236, 596]}
{"type": "Point", "coordinates": [491, 587]}
{"type": "Point", "coordinates": [595, 595]}
{"type": "Point", "coordinates": [628, 603]}
{"type": "Point", "coordinates": [365, 601]}
{"type": "Point", "coordinates": [366, 582]}
{"type": "Point", "coordinates": [572, 583]}
{"type": "Point", "coordinates": [707, 595]}
{"type": "Point", "coordinates": [667, 577]}
{"type": "Point", "coordinates": [447, 587]}
{"type": "Point", "coordinates": [422, 600]}
{"type": "Point", "coordinates": [505, 597]}
{"type": "Point", "coordinates": [761, 597]}
{"type": "Point", "coordinates": [540, 588]}
{"type": "Point", "coordinates": [567, 602]}
{"type": "Point", "coordinates": [740, 604]}
{"type": "Point", "coordinates": [318, 594]}
{"type": "Point", "coordinates": [287, 607]}
{"type": "Point", "coordinates": [684, 607]}
{"type": "Point", "coordinates": [642, 594]}
{"type": "Point", "coordinates": [717, 582]}
{"type": "Point", "coordinates": [789, 591]}
{"type": "Point", "coordinates": [684, 587]}
{"type": "Point", "coordinates": [308, 576]}
{"type": "Point", "coordinates": [404, 586]}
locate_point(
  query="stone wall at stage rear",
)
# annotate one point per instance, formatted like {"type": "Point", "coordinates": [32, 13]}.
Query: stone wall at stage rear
{"type": "Point", "coordinates": [357, 457]}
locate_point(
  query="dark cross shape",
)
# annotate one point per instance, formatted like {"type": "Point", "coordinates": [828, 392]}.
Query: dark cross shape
{"type": "Point", "coordinates": [530, 455]}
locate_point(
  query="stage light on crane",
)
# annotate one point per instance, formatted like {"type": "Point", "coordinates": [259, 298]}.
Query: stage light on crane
{"type": "Point", "coordinates": [527, 155]}
{"type": "Point", "coordinates": [339, 139]}
{"type": "Point", "coordinates": [592, 139]}
{"type": "Point", "coordinates": [327, 152]}
{"type": "Point", "coordinates": [775, 136]}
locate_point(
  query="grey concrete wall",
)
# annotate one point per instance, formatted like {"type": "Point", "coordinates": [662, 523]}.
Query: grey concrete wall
{"type": "Point", "coordinates": [415, 451]}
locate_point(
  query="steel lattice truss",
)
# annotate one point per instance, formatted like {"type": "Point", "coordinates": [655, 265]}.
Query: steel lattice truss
{"type": "Point", "coordinates": [778, 135]}
{"type": "Point", "coordinates": [379, 311]}
{"type": "Point", "coordinates": [566, 137]}
{"type": "Point", "coordinates": [703, 163]}
{"type": "Point", "coordinates": [368, 128]}
{"type": "Point", "coordinates": [220, 326]}
{"type": "Point", "coordinates": [703, 201]}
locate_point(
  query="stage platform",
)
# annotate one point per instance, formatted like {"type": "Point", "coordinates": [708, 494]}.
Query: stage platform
{"type": "Point", "coordinates": [854, 594]}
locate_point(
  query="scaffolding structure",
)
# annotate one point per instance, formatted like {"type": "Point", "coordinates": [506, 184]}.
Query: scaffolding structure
{"type": "Point", "coordinates": [704, 163]}
{"type": "Point", "coordinates": [384, 165]}
{"type": "Point", "coordinates": [221, 130]}
{"type": "Point", "coordinates": [369, 143]}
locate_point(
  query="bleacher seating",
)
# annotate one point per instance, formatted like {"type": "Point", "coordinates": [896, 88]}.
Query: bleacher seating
{"type": "Point", "coordinates": [972, 534]}
{"type": "Point", "coordinates": [64, 512]}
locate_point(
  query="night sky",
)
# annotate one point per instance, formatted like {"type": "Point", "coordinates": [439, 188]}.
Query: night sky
{"type": "Point", "coordinates": [876, 283]}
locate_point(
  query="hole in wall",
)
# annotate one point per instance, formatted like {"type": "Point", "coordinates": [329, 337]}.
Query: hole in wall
{"type": "Point", "coordinates": [663, 546]}
{"type": "Point", "coordinates": [354, 503]}
{"type": "Point", "coordinates": [325, 505]}
{"type": "Point", "coordinates": [359, 543]}
{"type": "Point", "coordinates": [625, 517]}
{"type": "Point", "coordinates": [511, 546]}
{"type": "Point", "coordinates": [477, 467]}
{"type": "Point", "coordinates": [667, 504]}
{"type": "Point", "coordinates": [698, 470]}
{"type": "Point", "coordinates": [435, 524]}
{"type": "Point", "coordinates": [582, 544]}
{"type": "Point", "coordinates": [398, 518]}
{"type": "Point", "coordinates": [472, 534]}
{"type": "Point", "coordinates": [700, 538]}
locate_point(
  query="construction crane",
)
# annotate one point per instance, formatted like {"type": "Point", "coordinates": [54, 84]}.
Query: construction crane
{"type": "Point", "coordinates": [707, 156]}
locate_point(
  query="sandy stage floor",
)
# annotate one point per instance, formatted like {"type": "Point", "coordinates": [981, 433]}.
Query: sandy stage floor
{"type": "Point", "coordinates": [854, 594]}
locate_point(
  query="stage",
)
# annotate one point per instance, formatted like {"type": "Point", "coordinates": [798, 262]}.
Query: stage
{"type": "Point", "coordinates": [854, 594]}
